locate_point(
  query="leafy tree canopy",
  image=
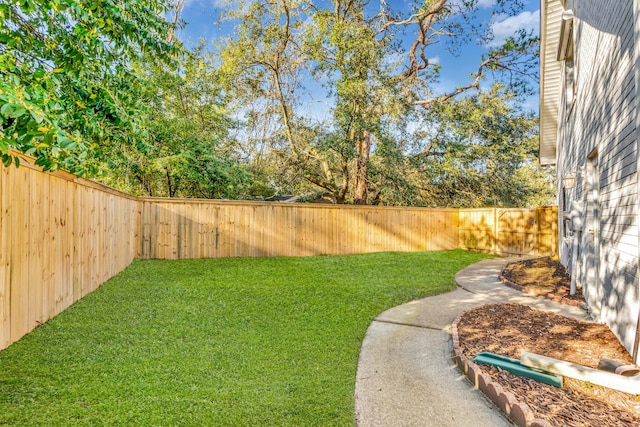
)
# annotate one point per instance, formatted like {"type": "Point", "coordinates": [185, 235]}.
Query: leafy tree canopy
{"type": "Point", "coordinates": [373, 60]}
{"type": "Point", "coordinates": [68, 88]}
{"type": "Point", "coordinates": [188, 151]}
{"type": "Point", "coordinates": [101, 87]}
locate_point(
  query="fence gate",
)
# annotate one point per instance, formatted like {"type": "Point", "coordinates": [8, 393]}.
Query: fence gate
{"type": "Point", "coordinates": [515, 232]}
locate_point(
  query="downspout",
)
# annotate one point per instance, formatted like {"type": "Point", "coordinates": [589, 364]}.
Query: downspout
{"type": "Point", "coordinates": [576, 230]}
{"type": "Point", "coordinates": [636, 62]}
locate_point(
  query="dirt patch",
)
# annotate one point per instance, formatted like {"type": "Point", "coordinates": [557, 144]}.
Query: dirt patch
{"type": "Point", "coordinates": [509, 329]}
{"type": "Point", "coordinates": [544, 277]}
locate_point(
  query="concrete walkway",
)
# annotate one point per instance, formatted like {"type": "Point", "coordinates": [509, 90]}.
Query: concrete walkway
{"type": "Point", "coordinates": [406, 375]}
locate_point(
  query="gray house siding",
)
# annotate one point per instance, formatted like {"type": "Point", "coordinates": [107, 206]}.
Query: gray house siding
{"type": "Point", "coordinates": [597, 141]}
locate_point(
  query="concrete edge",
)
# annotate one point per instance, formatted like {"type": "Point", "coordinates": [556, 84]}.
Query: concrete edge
{"type": "Point", "coordinates": [518, 412]}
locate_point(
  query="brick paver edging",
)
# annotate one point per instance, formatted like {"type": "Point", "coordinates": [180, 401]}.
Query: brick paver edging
{"type": "Point", "coordinates": [551, 296]}
{"type": "Point", "coordinates": [518, 412]}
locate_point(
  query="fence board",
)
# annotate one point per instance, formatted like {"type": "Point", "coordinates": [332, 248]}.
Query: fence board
{"type": "Point", "coordinates": [18, 267]}
{"type": "Point", "coordinates": [5, 243]}
{"type": "Point", "coordinates": [508, 232]}
{"type": "Point", "coordinates": [61, 237]}
{"type": "Point", "coordinates": [210, 228]}
{"type": "Point", "coordinates": [56, 244]}
{"type": "Point", "coordinates": [36, 249]}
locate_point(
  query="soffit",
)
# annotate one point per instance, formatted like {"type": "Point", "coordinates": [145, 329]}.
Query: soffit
{"type": "Point", "coordinates": [550, 79]}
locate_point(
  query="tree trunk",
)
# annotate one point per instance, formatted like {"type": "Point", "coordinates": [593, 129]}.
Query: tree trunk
{"type": "Point", "coordinates": [363, 151]}
{"type": "Point", "coordinates": [169, 183]}
{"type": "Point", "coordinates": [344, 189]}
{"type": "Point", "coordinates": [286, 116]}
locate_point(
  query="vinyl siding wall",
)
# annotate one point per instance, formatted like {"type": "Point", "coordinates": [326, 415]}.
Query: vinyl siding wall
{"type": "Point", "coordinates": [603, 120]}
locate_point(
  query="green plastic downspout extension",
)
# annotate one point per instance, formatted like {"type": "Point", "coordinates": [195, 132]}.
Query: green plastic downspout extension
{"type": "Point", "coordinates": [516, 368]}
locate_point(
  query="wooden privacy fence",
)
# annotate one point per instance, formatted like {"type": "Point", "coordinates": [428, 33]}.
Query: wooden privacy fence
{"type": "Point", "coordinates": [175, 229]}
{"type": "Point", "coordinates": [62, 236]}
{"type": "Point", "coordinates": [510, 232]}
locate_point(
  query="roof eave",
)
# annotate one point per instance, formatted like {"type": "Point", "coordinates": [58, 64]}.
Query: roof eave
{"type": "Point", "coordinates": [550, 79]}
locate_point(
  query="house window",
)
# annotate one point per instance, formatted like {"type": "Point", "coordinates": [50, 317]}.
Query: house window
{"type": "Point", "coordinates": [566, 54]}
{"type": "Point", "coordinates": [569, 74]}
{"type": "Point", "coordinates": [569, 83]}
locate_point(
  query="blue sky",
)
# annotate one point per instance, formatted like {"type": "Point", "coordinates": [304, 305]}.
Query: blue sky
{"type": "Point", "coordinates": [201, 17]}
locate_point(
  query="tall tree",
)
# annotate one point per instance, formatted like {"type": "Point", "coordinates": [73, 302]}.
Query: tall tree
{"type": "Point", "coordinates": [376, 81]}
{"type": "Point", "coordinates": [344, 46]}
{"type": "Point", "coordinates": [68, 87]}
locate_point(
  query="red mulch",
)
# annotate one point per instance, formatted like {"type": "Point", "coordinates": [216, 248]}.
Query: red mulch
{"type": "Point", "coordinates": [509, 329]}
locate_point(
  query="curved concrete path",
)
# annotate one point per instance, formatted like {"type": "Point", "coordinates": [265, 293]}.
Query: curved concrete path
{"type": "Point", "coordinates": [406, 375]}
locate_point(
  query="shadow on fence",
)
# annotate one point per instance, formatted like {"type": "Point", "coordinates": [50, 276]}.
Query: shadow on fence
{"type": "Point", "coordinates": [175, 229]}
{"type": "Point", "coordinates": [510, 232]}
{"type": "Point", "coordinates": [61, 236]}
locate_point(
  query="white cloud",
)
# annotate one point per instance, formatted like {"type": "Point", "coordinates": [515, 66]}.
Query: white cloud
{"type": "Point", "coordinates": [221, 3]}
{"type": "Point", "coordinates": [435, 60]}
{"type": "Point", "coordinates": [486, 3]}
{"type": "Point", "coordinates": [529, 21]}
{"type": "Point", "coordinates": [207, 3]}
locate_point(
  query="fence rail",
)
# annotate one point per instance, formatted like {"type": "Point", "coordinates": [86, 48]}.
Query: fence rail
{"type": "Point", "coordinates": [174, 229]}
{"type": "Point", "coordinates": [510, 232]}
{"type": "Point", "coordinates": [62, 236]}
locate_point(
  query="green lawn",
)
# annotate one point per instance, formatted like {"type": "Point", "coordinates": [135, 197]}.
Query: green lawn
{"type": "Point", "coordinates": [241, 341]}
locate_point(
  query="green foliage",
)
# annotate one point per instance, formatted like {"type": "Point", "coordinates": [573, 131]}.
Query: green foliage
{"type": "Point", "coordinates": [188, 152]}
{"type": "Point", "coordinates": [239, 341]}
{"type": "Point", "coordinates": [67, 86]}
{"type": "Point", "coordinates": [93, 87]}
{"type": "Point", "coordinates": [380, 91]}
{"type": "Point", "coordinates": [483, 151]}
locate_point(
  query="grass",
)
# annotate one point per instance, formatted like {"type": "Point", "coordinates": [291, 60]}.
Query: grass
{"type": "Point", "coordinates": [241, 341]}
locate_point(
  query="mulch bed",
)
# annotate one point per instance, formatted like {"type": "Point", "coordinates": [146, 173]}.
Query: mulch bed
{"type": "Point", "coordinates": [509, 329]}
{"type": "Point", "coordinates": [543, 277]}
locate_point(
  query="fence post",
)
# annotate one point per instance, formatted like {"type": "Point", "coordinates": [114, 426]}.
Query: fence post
{"type": "Point", "coordinates": [536, 217]}
{"type": "Point", "coordinates": [496, 230]}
